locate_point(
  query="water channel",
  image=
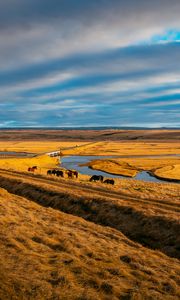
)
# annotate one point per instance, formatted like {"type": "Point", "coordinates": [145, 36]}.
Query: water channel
{"type": "Point", "coordinates": [11, 154]}
{"type": "Point", "coordinates": [74, 162]}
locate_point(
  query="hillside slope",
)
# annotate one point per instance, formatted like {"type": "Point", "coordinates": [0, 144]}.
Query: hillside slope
{"type": "Point", "coordinates": [47, 254]}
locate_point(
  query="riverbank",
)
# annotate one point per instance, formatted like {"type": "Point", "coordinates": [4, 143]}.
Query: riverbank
{"type": "Point", "coordinates": [43, 162]}
{"type": "Point", "coordinates": [162, 167]}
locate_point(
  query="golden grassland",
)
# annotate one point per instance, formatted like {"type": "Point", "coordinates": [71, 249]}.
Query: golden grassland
{"type": "Point", "coordinates": [163, 167]}
{"type": "Point", "coordinates": [153, 222]}
{"type": "Point", "coordinates": [36, 146]}
{"type": "Point", "coordinates": [52, 251]}
{"type": "Point", "coordinates": [113, 167]}
{"type": "Point", "coordinates": [170, 172]}
{"type": "Point", "coordinates": [47, 254]}
{"type": "Point", "coordinates": [158, 194]}
{"type": "Point", "coordinates": [43, 162]}
{"type": "Point", "coordinates": [126, 148]}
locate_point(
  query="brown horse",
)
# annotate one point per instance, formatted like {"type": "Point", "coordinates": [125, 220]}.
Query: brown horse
{"type": "Point", "coordinates": [75, 173]}
{"type": "Point", "coordinates": [70, 174]}
{"type": "Point", "coordinates": [32, 169]}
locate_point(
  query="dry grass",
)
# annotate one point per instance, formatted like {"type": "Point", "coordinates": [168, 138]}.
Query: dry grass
{"type": "Point", "coordinates": [36, 146]}
{"type": "Point", "coordinates": [163, 167]}
{"type": "Point", "coordinates": [46, 254]}
{"type": "Point", "coordinates": [151, 222]}
{"type": "Point", "coordinates": [113, 167]}
{"type": "Point", "coordinates": [122, 166]}
{"type": "Point", "coordinates": [43, 162]}
{"type": "Point", "coordinates": [170, 172]}
{"type": "Point", "coordinates": [126, 148]}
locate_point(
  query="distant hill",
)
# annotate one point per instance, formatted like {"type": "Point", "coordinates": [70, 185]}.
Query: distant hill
{"type": "Point", "coordinates": [90, 134]}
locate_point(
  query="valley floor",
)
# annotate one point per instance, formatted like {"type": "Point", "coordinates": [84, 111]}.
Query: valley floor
{"type": "Point", "coordinates": [71, 239]}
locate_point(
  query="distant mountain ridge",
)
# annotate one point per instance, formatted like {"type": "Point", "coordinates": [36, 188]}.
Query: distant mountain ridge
{"type": "Point", "coordinates": [91, 128]}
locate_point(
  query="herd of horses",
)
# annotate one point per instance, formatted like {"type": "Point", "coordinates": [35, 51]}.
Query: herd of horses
{"type": "Point", "coordinates": [60, 173]}
{"type": "Point", "coordinates": [73, 174]}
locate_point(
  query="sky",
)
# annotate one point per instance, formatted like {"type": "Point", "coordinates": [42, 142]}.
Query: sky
{"type": "Point", "coordinates": [71, 63]}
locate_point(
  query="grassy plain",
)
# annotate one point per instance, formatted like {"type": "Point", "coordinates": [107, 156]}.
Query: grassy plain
{"type": "Point", "coordinates": [122, 166]}
{"type": "Point", "coordinates": [35, 146]}
{"type": "Point", "coordinates": [43, 163]}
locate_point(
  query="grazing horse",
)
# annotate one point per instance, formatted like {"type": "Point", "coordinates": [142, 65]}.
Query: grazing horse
{"type": "Point", "coordinates": [109, 181]}
{"type": "Point", "coordinates": [59, 173]}
{"type": "Point", "coordinates": [70, 174]}
{"type": "Point", "coordinates": [53, 172]}
{"type": "Point", "coordinates": [96, 178]}
{"type": "Point", "coordinates": [75, 173]}
{"type": "Point", "coordinates": [32, 169]}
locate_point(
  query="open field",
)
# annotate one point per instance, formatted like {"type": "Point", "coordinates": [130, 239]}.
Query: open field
{"type": "Point", "coordinates": [35, 146]}
{"type": "Point", "coordinates": [126, 148]}
{"type": "Point", "coordinates": [73, 239]}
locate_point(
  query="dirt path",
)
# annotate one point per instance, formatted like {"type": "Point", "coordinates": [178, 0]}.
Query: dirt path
{"type": "Point", "coordinates": [153, 224]}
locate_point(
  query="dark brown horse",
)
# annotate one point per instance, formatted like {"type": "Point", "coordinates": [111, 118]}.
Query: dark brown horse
{"type": "Point", "coordinates": [70, 174]}
{"type": "Point", "coordinates": [49, 172]}
{"type": "Point", "coordinates": [59, 173]}
{"type": "Point", "coordinates": [96, 178]}
{"type": "Point", "coordinates": [75, 173]}
{"type": "Point", "coordinates": [109, 181]}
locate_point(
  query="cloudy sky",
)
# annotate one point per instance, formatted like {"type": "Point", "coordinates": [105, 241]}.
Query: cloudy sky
{"type": "Point", "coordinates": [89, 63]}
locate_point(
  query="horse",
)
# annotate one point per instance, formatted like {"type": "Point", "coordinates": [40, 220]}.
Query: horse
{"type": "Point", "coordinates": [109, 181]}
{"type": "Point", "coordinates": [59, 173]}
{"type": "Point", "coordinates": [75, 173]}
{"type": "Point", "coordinates": [32, 169]}
{"type": "Point", "coordinates": [97, 178]}
{"type": "Point", "coordinates": [70, 174]}
{"type": "Point", "coordinates": [53, 172]}
{"type": "Point", "coordinates": [49, 172]}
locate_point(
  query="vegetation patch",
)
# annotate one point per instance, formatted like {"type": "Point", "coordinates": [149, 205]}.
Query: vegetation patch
{"type": "Point", "coordinates": [155, 232]}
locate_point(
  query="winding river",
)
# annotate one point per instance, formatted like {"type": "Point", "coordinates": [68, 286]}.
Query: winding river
{"type": "Point", "coordinates": [73, 162]}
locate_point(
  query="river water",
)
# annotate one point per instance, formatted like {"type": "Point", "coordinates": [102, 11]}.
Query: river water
{"type": "Point", "coordinates": [14, 154]}
{"type": "Point", "coordinates": [73, 162]}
